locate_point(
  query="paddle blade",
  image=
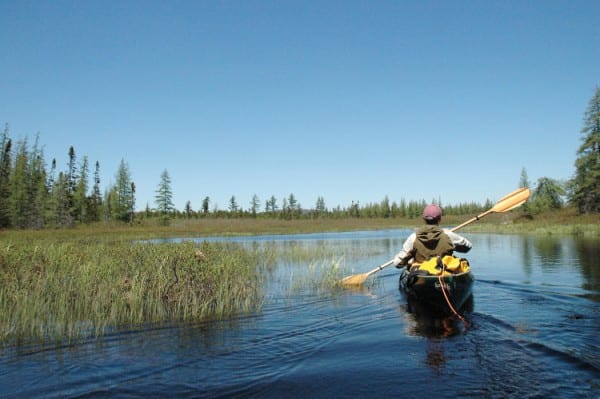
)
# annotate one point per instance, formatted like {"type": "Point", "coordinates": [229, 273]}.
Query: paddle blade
{"type": "Point", "coordinates": [356, 279]}
{"type": "Point", "coordinates": [512, 200]}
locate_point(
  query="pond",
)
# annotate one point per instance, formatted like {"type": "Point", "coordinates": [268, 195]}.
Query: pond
{"type": "Point", "coordinates": [532, 330]}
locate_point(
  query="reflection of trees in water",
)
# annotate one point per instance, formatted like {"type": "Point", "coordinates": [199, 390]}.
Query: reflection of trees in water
{"type": "Point", "coordinates": [527, 255]}
{"type": "Point", "coordinates": [588, 253]}
{"type": "Point", "coordinates": [550, 251]}
{"type": "Point", "coordinates": [572, 253]}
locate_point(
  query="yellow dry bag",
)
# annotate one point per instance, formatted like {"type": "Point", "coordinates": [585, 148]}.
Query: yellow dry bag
{"type": "Point", "coordinates": [449, 264]}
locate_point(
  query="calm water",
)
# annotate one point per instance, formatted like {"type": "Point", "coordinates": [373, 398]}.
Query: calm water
{"type": "Point", "coordinates": [533, 333]}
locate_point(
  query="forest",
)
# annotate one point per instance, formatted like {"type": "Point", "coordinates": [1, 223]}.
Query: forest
{"type": "Point", "coordinates": [34, 196]}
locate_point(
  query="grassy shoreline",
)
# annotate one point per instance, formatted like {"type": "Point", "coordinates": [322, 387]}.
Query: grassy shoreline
{"type": "Point", "coordinates": [559, 223]}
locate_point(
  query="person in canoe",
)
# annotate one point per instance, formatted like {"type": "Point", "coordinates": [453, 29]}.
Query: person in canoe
{"type": "Point", "coordinates": [430, 240]}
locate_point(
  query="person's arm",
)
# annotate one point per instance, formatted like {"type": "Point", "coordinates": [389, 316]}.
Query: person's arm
{"type": "Point", "coordinates": [461, 244]}
{"type": "Point", "coordinates": [405, 254]}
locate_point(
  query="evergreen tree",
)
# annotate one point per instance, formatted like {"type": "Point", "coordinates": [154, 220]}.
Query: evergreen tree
{"type": "Point", "coordinates": [5, 173]}
{"type": "Point", "coordinates": [585, 185]}
{"type": "Point", "coordinates": [95, 200]}
{"type": "Point", "coordinates": [320, 207]}
{"type": "Point", "coordinates": [164, 195]}
{"type": "Point", "coordinates": [39, 190]}
{"type": "Point", "coordinates": [205, 205]}
{"type": "Point", "coordinates": [60, 202]}
{"type": "Point", "coordinates": [20, 205]}
{"type": "Point", "coordinates": [254, 205]}
{"type": "Point", "coordinates": [122, 195]}
{"type": "Point", "coordinates": [51, 205]}
{"type": "Point", "coordinates": [354, 210]}
{"type": "Point", "coordinates": [524, 180]}
{"type": "Point", "coordinates": [524, 183]}
{"type": "Point", "coordinates": [385, 208]}
{"type": "Point", "coordinates": [285, 210]}
{"type": "Point", "coordinates": [188, 210]}
{"type": "Point", "coordinates": [233, 206]}
{"type": "Point", "coordinates": [271, 205]}
{"type": "Point", "coordinates": [132, 203]}
{"type": "Point", "coordinates": [72, 183]}
{"type": "Point", "coordinates": [52, 175]}
{"type": "Point", "coordinates": [292, 202]}
{"type": "Point", "coordinates": [547, 195]}
{"type": "Point", "coordinates": [402, 207]}
{"type": "Point", "coordinates": [80, 198]}
{"type": "Point", "coordinates": [293, 207]}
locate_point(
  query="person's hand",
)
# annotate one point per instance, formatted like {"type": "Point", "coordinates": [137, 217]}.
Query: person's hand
{"type": "Point", "coordinates": [397, 262]}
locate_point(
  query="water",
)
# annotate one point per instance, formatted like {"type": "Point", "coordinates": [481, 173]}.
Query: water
{"type": "Point", "coordinates": [533, 332]}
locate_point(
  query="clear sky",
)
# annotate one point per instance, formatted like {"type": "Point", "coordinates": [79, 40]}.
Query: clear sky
{"type": "Point", "coordinates": [348, 100]}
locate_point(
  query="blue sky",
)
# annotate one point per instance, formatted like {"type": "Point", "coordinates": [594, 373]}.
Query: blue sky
{"type": "Point", "coordinates": [348, 100]}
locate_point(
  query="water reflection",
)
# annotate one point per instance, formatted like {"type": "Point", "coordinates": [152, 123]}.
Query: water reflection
{"type": "Point", "coordinates": [436, 356]}
{"type": "Point", "coordinates": [436, 328]}
{"type": "Point", "coordinates": [588, 254]}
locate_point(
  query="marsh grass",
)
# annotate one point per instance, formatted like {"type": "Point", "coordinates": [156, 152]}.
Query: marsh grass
{"type": "Point", "coordinates": [62, 291]}
{"type": "Point", "coordinates": [318, 277]}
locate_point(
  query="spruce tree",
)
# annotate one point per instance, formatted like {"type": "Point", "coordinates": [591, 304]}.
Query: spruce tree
{"type": "Point", "coordinates": [95, 200]}
{"type": "Point", "coordinates": [205, 205]}
{"type": "Point", "coordinates": [5, 172]}
{"type": "Point", "coordinates": [524, 183]}
{"type": "Point", "coordinates": [38, 188]}
{"type": "Point", "coordinates": [72, 178]}
{"type": "Point", "coordinates": [585, 185]}
{"type": "Point", "coordinates": [122, 195]}
{"type": "Point", "coordinates": [80, 198]}
{"type": "Point", "coordinates": [164, 195]}
{"type": "Point", "coordinates": [233, 206]}
{"type": "Point", "coordinates": [254, 205]}
{"type": "Point", "coordinates": [20, 205]}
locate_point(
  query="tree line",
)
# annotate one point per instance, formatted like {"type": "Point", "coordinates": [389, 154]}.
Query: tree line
{"type": "Point", "coordinates": [33, 195]}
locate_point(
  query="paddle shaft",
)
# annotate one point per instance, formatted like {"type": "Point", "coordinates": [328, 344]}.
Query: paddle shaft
{"type": "Point", "coordinates": [476, 218]}
{"type": "Point", "coordinates": [378, 268]}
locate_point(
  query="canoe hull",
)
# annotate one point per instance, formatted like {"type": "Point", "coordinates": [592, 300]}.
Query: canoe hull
{"type": "Point", "coordinates": [427, 290]}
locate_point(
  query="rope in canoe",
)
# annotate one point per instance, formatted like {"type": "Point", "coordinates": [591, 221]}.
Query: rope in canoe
{"type": "Point", "coordinates": [444, 289]}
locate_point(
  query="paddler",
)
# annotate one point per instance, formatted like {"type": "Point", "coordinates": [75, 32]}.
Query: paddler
{"type": "Point", "coordinates": [430, 240]}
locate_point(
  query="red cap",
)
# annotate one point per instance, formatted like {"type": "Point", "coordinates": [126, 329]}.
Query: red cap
{"type": "Point", "coordinates": [432, 212]}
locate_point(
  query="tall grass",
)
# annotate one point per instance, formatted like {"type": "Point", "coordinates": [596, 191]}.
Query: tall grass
{"type": "Point", "coordinates": [318, 277]}
{"type": "Point", "coordinates": [64, 291]}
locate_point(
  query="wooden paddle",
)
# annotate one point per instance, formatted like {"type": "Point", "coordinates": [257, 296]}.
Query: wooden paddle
{"type": "Point", "coordinates": [506, 203]}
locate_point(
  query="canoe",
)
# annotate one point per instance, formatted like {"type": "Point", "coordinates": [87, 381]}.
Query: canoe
{"type": "Point", "coordinates": [426, 290]}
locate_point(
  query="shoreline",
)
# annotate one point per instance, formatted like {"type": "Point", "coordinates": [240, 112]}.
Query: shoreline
{"type": "Point", "coordinates": [559, 223]}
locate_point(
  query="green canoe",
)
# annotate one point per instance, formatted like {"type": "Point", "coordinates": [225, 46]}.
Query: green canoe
{"type": "Point", "coordinates": [427, 290]}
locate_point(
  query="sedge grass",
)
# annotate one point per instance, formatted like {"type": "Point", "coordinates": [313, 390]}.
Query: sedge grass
{"type": "Point", "coordinates": [62, 291]}
{"type": "Point", "coordinates": [318, 277]}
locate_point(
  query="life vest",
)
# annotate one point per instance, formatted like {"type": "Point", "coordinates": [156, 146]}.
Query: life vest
{"type": "Point", "coordinates": [449, 264]}
{"type": "Point", "coordinates": [431, 241]}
